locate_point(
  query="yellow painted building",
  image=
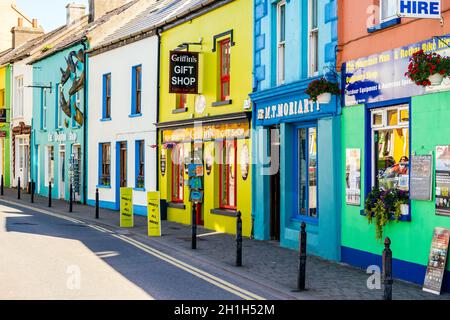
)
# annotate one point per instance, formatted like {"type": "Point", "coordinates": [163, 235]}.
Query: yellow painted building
{"type": "Point", "coordinates": [211, 127]}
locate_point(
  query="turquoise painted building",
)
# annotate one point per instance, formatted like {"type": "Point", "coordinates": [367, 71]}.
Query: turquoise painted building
{"type": "Point", "coordinates": [58, 125]}
{"type": "Point", "coordinates": [296, 146]}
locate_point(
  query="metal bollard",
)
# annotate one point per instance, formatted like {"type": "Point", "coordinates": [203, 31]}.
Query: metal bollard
{"type": "Point", "coordinates": [387, 270]}
{"type": "Point", "coordinates": [194, 226]}
{"type": "Point", "coordinates": [2, 191]}
{"type": "Point", "coordinates": [18, 188]}
{"type": "Point", "coordinates": [239, 240]}
{"type": "Point", "coordinates": [71, 198]}
{"type": "Point", "coordinates": [301, 281]}
{"type": "Point", "coordinates": [97, 204]}
{"type": "Point", "coordinates": [32, 191]}
{"type": "Point", "coordinates": [50, 194]}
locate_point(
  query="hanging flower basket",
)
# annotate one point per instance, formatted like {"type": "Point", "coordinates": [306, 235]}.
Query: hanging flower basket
{"type": "Point", "coordinates": [321, 90]}
{"type": "Point", "coordinates": [428, 69]}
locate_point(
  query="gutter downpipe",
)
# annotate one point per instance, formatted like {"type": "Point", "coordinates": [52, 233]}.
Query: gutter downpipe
{"type": "Point", "coordinates": [158, 81]}
{"type": "Point", "coordinates": [83, 43]}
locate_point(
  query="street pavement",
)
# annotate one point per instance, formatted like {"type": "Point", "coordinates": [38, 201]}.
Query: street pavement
{"type": "Point", "coordinates": [161, 268]}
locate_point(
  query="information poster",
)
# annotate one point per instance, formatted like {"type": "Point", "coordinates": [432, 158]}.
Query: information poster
{"type": "Point", "coordinates": [421, 177]}
{"type": "Point", "coordinates": [153, 214]}
{"type": "Point", "coordinates": [443, 180]}
{"type": "Point", "coordinates": [126, 208]}
{"type": "Point", "coordinates": [353, 177]}
{"type": "Point", "coordinates": [437, 261]}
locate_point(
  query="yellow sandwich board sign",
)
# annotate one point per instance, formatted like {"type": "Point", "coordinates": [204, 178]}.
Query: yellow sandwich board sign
{"type": "Point", "coordinates": [154, 214]}
{"type": "Point", "coordinates": [126, 208]}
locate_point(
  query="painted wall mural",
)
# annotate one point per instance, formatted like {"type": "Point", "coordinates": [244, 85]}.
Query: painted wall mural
{"type": "Point", "coordinates": [75, 72]}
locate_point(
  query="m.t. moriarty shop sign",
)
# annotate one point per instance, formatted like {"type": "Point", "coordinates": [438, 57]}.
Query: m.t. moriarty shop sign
{"type": "Point", "coordinates": [183, 72]}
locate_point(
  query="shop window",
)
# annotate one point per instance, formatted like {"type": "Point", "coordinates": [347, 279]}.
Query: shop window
{"type": "Point", "coordinates": [140, 164]}
{"type": "Point", "coordinates": [225, 55]}
{"type": "Point", "coordinates": [307, 172]}
{"type": "Point", "coordinates": [390, 143]}
{"type": "Point", "coordinates": [136, 90]}
{"type": "Point", "coordinates": [2, 98]}
{"type": "Point", "coordinates": [50, 166]}
{"type": "Point", "coordinates": [177, 174]}
{"type": "Point", "coordinates": [181, 101]}
{"type": "Point", "coordinates": [228, 175]}
{"type": "Point", "coordinates": [18, 108]}
{"type": "Point", "coordinates": [313, 38]}
{"type": "Point", "coordinates": [281, 41]}
{"type": "Point", "coordinates": [105, 164]}
{"type": "Point", "coordinates": [388, 10]}
{"type": "Point", "coordinates": [58, 110]}
{"type": "Point", "coordinates": [3, 115]}
{"type": "Point", "coordinates": [106, 114]}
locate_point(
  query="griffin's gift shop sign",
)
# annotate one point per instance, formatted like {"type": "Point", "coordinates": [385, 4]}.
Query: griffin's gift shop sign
{"type": "Point", "coordinates": [184, 72]}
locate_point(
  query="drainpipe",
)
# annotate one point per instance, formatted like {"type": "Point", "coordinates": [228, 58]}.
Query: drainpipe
{"type": "Point", "coordinates": [158, 33]}
{"type": "Point", "coordinates": [83, 43]}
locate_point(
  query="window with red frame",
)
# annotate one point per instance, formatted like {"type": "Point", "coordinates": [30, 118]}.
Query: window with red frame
{"type": "Point", "coordinates": [225, 54]}
{"type": "Point", "coordinates": [181, 101]}
{"type": "Point", "coordinates": [228, 175]}
{"type": "Point", "coordinates": [177, 174]}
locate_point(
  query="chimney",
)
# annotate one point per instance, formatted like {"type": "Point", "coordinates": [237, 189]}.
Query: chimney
{"type": "Point", "coordinates": [98, 8]}
{"type": "Point", "coordinates": [74, 12]}
{"type": "Point", "coordinates": [21, 34]}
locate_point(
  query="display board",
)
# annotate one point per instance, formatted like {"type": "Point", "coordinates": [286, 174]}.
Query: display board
{"type": "Point", "coordinates": [153, 214]}
{"type": "Point", "coordinates": [437, 261]}
{"type": "Point", "coordinates": [443, 180]}
{"type": "Point", "coordinates": [421, 177]}
{"type": "Point", "coordinates": [353, 177]}
{"type": "Point", "coordinates": [126, 208]}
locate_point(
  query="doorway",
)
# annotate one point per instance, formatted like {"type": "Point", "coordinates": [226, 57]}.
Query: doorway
{"type": "Point", "coordinates": [23, 160]}
{"type": "Point", "coordinates": [62, 172]}
{"type": "Point", "coordinates": [121, 169]}
{"type": "Point", "coordinates": [274, 154]}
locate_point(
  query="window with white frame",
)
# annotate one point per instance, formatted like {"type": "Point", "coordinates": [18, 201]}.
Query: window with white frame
{"type": "Point", "coordinates": [390, 145]}
{"type": "Point", "coordinates": [388, 9]}
{"type": "Point", "coordinates": [44, 109]}
{"type": "Point", "coordinates": [281, 42]}
{"type": "Point", "coordinates": [313, 38]}
{"type": "Point", "coordinates": [59, 112]}
{"type": "Point", "coordinates": [18, 108]}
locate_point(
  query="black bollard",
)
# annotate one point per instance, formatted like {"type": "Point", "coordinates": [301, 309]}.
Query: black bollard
{"type": "Point", "coordinates": [97, 204]}
{"type": "Point", "coordinates": [2, 191]}
{"type": "Point", "coordinates": [49, 194]}
{"type": "Point", "coordinates": [18, 188]}
{"type": "Point", "coordinates": [32, 191]}
{"type": "Point", "coordinates": [252, 233]}
{"type": "Point", "coordinates": [239, 240]}
{"type": "Point", "coordinates": [194, 226]}
{"type": "Point", "coordinates": [387, 270]}
{"type": "Point", "coordinates": [71, 198]}
{"type": "Point", "coordinates": [301, 281]}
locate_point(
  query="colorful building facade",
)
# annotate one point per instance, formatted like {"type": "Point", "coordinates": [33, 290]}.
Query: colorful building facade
{"type": "Point", "coordinates": [389, 121]}
{"type": "Point", "coordinates": [5, 103]}
{"type": "Point", "coordinates": [296, 174]}
{"type": "Point", "coordinates": [59, 123]}
{"type": "Point", "coordinates": [210, 127]}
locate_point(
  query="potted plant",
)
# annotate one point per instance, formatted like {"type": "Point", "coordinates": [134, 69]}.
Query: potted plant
{"type": "Point", "coordinates": [321, 90]}
{"type": "Point", "coordinates": [382, 206]}
{"type": "Point", "coordinates": [428, 69]}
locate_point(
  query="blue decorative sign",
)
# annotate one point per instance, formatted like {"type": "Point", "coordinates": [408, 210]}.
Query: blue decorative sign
{"type": "Point", "coordinates": [429, 9]}
{"type": "Point", "coordinates": [381, 77]}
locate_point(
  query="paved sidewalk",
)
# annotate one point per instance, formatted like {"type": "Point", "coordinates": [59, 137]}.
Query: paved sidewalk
{"type": "Point", "coordinates": [264, 261]}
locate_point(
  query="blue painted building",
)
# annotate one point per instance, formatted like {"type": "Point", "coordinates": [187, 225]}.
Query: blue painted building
{"type": "Point", "coordinates": [297, 141]}
{"type": "Point", "coordinates": [58, 125]}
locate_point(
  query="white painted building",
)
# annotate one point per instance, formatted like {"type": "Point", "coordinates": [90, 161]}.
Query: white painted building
{"type": "Point", "coordinates": [122, 135]}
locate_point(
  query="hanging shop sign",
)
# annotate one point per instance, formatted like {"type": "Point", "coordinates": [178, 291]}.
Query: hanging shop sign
{"type": "Point", "coordinates": [208, 132]}
{"type": "Point", "coordinates": [126, 208]}
{"type": "Point", "coordinates": [163, 164]}
{"type": "Point", "coordinates": [437, 261]}
{"type": "Point", "coordinates": [184, 72]}
{"type": "Point", "coordinates": [421, 177]}
{"type": "Point", "coordinates": [425, 9]}
{"type": "Point", "coordinates": [153, 214]}
{"type": "Point", "coordinates": [353, 177]}
{"type": "Point", "coordinates": [381, 77]}
{"type": "Point", "coordinates": [443, 180]}
{"type": "Point", "coordinates": [60, 137]}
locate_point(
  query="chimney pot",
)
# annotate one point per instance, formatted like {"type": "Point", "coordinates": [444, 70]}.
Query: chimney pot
{"type": "Point", "coordinates": [20, 22]}
{"type": "Point", "coordinates": [35, 23]}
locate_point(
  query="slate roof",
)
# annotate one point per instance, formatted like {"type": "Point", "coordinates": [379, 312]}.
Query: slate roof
{"type": "Point", "coordinates": [84, 32]}
{"type": "Point", "coordinates": [158, 13]}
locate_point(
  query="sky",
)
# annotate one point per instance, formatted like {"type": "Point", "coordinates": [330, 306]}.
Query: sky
{"type": "Point", "coordinates": [50, 13]}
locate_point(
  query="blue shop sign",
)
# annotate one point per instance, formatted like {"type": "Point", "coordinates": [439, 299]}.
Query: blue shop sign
{"type": "Point", "coordinates": [381, 77]}
{"type": "Point", "coordinates": [296, 107]}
